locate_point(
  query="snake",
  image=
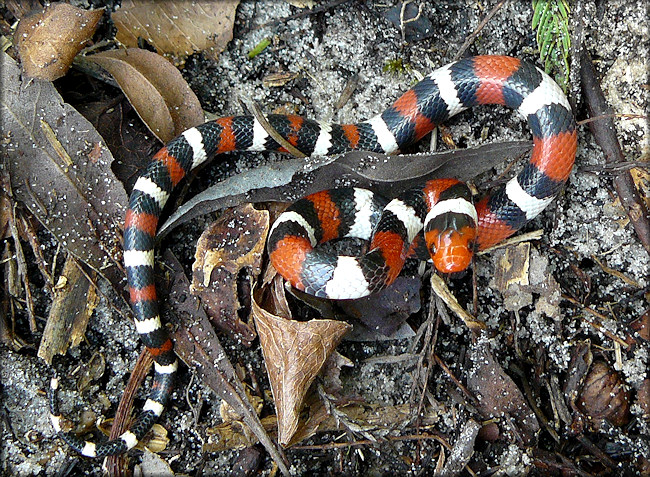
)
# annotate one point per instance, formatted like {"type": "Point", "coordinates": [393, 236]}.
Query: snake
{"type": "Point", "coordinates": [453, 226]}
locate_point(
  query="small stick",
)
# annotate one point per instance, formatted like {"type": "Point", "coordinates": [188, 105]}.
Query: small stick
{"type": "Point", "coordinates": [605, 135]}
{"type": "Point", "coordinates": [475, 33]}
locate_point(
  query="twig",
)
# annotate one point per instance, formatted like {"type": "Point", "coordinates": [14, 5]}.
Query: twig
{"type": "Point", "coordinates": [600, 455]}
{"type": "Point", "coordinates": [304, 13]}
{"type": "Point", "coordinates": [22, 270]}
{"type": "Point", "coordinates": [475, 33]}
{"type": "Point", "coordinates": [611, 116]}
{"type": "Point", "coordinates": [36, 249]}
{"type": "Point", "coordinates": [367, 442]}
{"type": "Point", "coordinates": [598, 326]}
{"type": "Point", "coordinates": [605, 135]}
{"type": "Point", "coordinates": [123, 413]}
{"type": "Point", "coordinates": [259, 116]}
{"type": "Point", "coordinates": [456, 381]}
{"type": "Point", "coordinates": [403, 22]}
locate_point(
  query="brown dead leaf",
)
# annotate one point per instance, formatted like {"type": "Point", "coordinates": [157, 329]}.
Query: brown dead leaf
{"type": "Point", "coordinates": [178, 28]}
{"type": "Point", "coordinates": [229, 253]}
{"type": "Point", "coordinates": [197, 344]}
{"type": "Point", "coordinates": [49, 40]}
{"type": "Point", "coordinates": [498, 395]}
{"type": "Point", "coordinates": [604, 397]}
{"type": "Point", "coordinates": [156, 89]}
{"type": "Point", "coordinates": [294, 354]}
{"type": "Point", "coordinates": [47, 144]}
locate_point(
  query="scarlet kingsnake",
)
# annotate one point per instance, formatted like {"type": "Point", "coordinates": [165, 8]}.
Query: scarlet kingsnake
{"type": "Point", "coordinates": [354, 212]}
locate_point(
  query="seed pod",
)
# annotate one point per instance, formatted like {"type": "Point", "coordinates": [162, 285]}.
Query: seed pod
{"type": "Point", "coordinates": [604, 395]}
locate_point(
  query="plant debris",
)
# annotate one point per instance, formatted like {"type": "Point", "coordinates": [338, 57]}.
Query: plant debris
{"type": "Point", "coordinates": [155, 88]}
{"type": "Point", "coordinates": [533, 362]}
{"type": "Point", "coordinates": [227, 261]}
{"type": "Point", "coordinates": [49, 40]}
{"type": "Point", "coordinates": [176, 28]}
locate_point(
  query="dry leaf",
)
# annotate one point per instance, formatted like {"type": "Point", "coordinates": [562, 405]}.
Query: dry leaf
{"type": "Point", "coordinates": [294, 353]}
{"type": "Point", "coordinates": [48, 145]}
{"type": "Point", "coordinates": [49, 40]}
{"type": "Point", "coordinates": [383, 313]}
{"type": "Point", "coordinates": [604, 396]}
{"type": "Point", "coordinates": [196, 343]}
{"type": "Point", "coordinates": [178, 28]}
{"type": "Point", "coordinates": [152, 465]}
{"type": "Point", "coordinates": [386, 175]}
{"type": "Point", "coordinates": [128, 139]}
{"type": "Point", "coordinates": [229, 256]}
{"type": "Point", "coordinates": [156, 89]}
{"type": "Point", "coordinates": [498, 395]}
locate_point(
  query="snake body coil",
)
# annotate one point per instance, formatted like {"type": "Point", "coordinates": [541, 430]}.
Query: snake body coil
{"type": "Point", "coordinates": [442, 208]}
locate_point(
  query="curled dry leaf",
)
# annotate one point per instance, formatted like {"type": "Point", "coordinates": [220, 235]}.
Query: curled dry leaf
{"type": "Point", "coordinates": [197, 344]}
{"type": "Point", "coordinates": [228, 258]}
{"type": "Point", "coordinates": [383, 313]}
{"type": "Point", "coordinates": [177, 28]}
{"type": "Point", "coordinates": [156, 89]}
{"type": "Point", "coordinates": [49, 40]}
{"type": "Point", "coordinates": [294, 353]}
{"type": "Point", "coordinates": [59, 173]}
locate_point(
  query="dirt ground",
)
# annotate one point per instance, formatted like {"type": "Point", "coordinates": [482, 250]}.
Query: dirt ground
{"type": "Point", "coordinates": [585, 235]}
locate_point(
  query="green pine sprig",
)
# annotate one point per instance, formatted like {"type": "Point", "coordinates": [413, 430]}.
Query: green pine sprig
{"type": "Point", "coordinates": [551, 20]}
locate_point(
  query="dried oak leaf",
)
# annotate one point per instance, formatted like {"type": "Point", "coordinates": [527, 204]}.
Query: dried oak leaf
{"type": "Point", "coordinates": [156, 89]}
{"type": "Point", "coordinates": [49, 40]}
{"type": "Point", "coordinates": [48, 146]}
{"type": "Point", "coordinates": [294, 354]}
{"type": "Point", "coordinates": [178, 28]}
{"type": "Point", "coordinates": [498, 395]}
{"type": "Point", "coordinates": [229, 257]}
